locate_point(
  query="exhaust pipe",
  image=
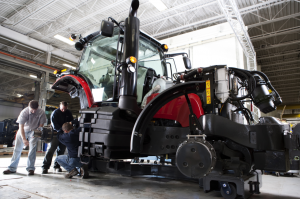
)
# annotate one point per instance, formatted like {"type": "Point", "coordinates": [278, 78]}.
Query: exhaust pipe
{"type": "Point", "coordinates": [128, 86]}
{"type": "Point", "coordinates": [133, 9]}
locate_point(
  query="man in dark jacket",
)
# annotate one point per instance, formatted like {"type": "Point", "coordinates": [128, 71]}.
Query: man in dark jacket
{"type": "Point", "coordinates": [71, 162]}
{"type": "Point", "coordinates": [58, 118]}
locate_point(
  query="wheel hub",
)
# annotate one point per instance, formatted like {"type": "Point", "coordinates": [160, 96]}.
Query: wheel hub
{"type": "Point", "coordinates": [195, 158]}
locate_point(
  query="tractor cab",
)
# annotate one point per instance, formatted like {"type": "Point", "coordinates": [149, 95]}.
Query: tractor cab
{"type": "Point", "coordinates": [98, 76]}
{"type": "Point", "coordinates": [98, 65]}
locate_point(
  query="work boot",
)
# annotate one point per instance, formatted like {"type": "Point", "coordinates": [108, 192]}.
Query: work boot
{"type": "Point", "coordinates": [31, 172]}
{"type": "Point", "coordinates": [72, 173]}
{"type": "Point", "coordinates": [84, 171]}
{"type": "Point", "coordinates": [7, 171]}
{"type": "Point", "coordinates": [58, 169]}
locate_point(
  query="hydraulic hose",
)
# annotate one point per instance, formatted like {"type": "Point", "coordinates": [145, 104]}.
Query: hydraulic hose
{"type": "Point", "coordinates": [190, 74]}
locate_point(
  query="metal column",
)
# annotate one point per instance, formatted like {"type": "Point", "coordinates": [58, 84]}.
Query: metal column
{"type": "Point", "coordinates": [44, 83]}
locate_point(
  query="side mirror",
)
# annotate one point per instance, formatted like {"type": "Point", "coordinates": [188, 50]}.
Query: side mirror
{"type": "Point", "coordinates": [107, 28]}
{"type": "Point", "coordinates": [187, 62]}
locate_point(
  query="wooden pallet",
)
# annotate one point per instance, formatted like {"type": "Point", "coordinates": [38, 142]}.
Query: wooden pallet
{"type": "Point", "coordinates": [10, 151]}
{"type": "Point", "coordinates": [3, 146]}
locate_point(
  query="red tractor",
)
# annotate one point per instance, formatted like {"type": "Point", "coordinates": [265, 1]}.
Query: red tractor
{"type": "Point", "coordinates": [134, 104]}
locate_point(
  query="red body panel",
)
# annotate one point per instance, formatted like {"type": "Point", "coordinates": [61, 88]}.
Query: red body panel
{"type": "Point", "coordinates": [178, 109]}
{"type": "Point", "coordinates": [85, 87]}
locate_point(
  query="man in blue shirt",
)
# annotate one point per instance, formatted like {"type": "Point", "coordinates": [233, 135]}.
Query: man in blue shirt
{"type": "Point", "coordinates": [58, 118]}
{"type": "Point", "coordinates": [71, 162]}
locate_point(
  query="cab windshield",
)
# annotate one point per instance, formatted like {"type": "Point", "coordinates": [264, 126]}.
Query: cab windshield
{"type": "Point", "coordinates": [98, 58]}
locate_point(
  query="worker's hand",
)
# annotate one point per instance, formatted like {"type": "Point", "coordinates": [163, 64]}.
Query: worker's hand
{"type": "Point", "coordinates": [25, 141]}
{"type": "Point", "coordinates": [75, 123]}
{"type": "Point", "coordinates": [70, 123]}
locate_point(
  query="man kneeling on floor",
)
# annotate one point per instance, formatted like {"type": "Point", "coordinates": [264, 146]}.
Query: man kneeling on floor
{"type": "Point", "coordinates": [71, 162]}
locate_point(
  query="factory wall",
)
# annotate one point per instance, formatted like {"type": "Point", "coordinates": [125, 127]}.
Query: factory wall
{"type": "Point", "coordinates": [9, 112]}
{"type": "Point", "coordinates": [215, 45]}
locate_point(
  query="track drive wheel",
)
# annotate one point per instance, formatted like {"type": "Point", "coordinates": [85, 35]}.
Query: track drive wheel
{"type": "Point", "coordinates": [233, 193]}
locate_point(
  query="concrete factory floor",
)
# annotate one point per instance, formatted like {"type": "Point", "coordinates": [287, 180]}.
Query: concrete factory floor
{"type": "Point", "coordinates": [99, 185]}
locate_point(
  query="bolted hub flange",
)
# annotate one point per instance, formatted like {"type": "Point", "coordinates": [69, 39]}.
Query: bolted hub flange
{"type": "Point", "coordinates": [195, 158]}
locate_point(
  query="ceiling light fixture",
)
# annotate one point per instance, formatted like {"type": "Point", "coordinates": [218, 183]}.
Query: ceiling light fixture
{"type": "Point", "coordinates": [158, 4]}
{"type": "Point", "coordinates": [69, 66]}
{"type": "Point", "coordinates": [66, 40]}
{"type": "Point", "coordinates": [34, 76]}
{"type": "Point", "coordinates": [19, 95]}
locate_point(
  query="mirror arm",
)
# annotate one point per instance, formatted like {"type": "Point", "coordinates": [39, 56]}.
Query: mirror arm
{"type": "Point", "coordinates": [175, 54]}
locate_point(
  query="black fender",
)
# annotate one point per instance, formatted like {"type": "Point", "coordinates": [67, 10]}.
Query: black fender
{"type": "Point", "coordinates": [139, 129]}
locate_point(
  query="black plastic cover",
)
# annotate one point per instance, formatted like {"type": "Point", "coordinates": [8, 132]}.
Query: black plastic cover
{"type": "Point", "coordinates": [110, 132]}
{"type": "Point", "coordinates": [107, 28]}
{"type": "Point", "coordinates": [272, 160]}
{"type": "Point", "coordinates": [262, 98]}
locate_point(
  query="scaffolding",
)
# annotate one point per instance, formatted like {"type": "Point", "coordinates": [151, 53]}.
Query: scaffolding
{"type": "Point", "coordinates": [233, 16]}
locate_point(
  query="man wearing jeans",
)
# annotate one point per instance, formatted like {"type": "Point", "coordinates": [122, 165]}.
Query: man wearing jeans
{"type": "Point", "coordinates": [71, 162]}
{"type": "Point", "coordinates": [58, 118]}
{"type": "Point", "coordinates": [29, 119]}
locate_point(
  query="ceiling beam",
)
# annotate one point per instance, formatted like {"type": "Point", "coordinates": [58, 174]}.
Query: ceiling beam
{"type": "Point", "coordinates": [287, 84]}
{"type": "Point", "coordinates": [277, 80]}
{"type": "Point", "coordinates": [215, 19]}
{"type": "Point", "coordinates": [270, 76]}
{"type": "Point", "coordinates": [25, 63]}
{"type": "Point", "coordinates": [282, 73]}
{"type": "Point", "coordinates": [291, 98]}
{"type": "Point", "coordinates": [286, 53]}
{"type": "Point", "coordinates": [274, 20]}
{"type": "Point", "coordinates": [284, 88]}
{"type": "Point", "coordinates": [293, 90]}
{"type": "Point", "coordinates": [25, 13]}
{"type": "Point", "coordinates": [287, 88]}
{"type": "Point", "coordinates": [10, 80]}
{"type": "Point", "coordinates": [60, 28]}
{"type": "Point", "coordinates": [293, 95]}
{"type": "Point", "coordinates": [19, 67]}
{"type": "Point", "coordinates": [276, 33]}
{"type": "Point", "coordinates": [278, 45]}
{"type": "Point", "coordinates": [9, 89]}
{"type": "Point", "coordinates": [281, 68]}
{"type": "Point", "coordinates": [10, 34]}
{"type": "Point", "coordinates": [19, 74]}
{"type": "Point", "coordinates": [289, 61]}
{"type": "Point", "coordinates": [20, 44]}
{"type": "Point", "coordinates": [288, 94]}
{"type": "Point", "coordinates": [177, 13]}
